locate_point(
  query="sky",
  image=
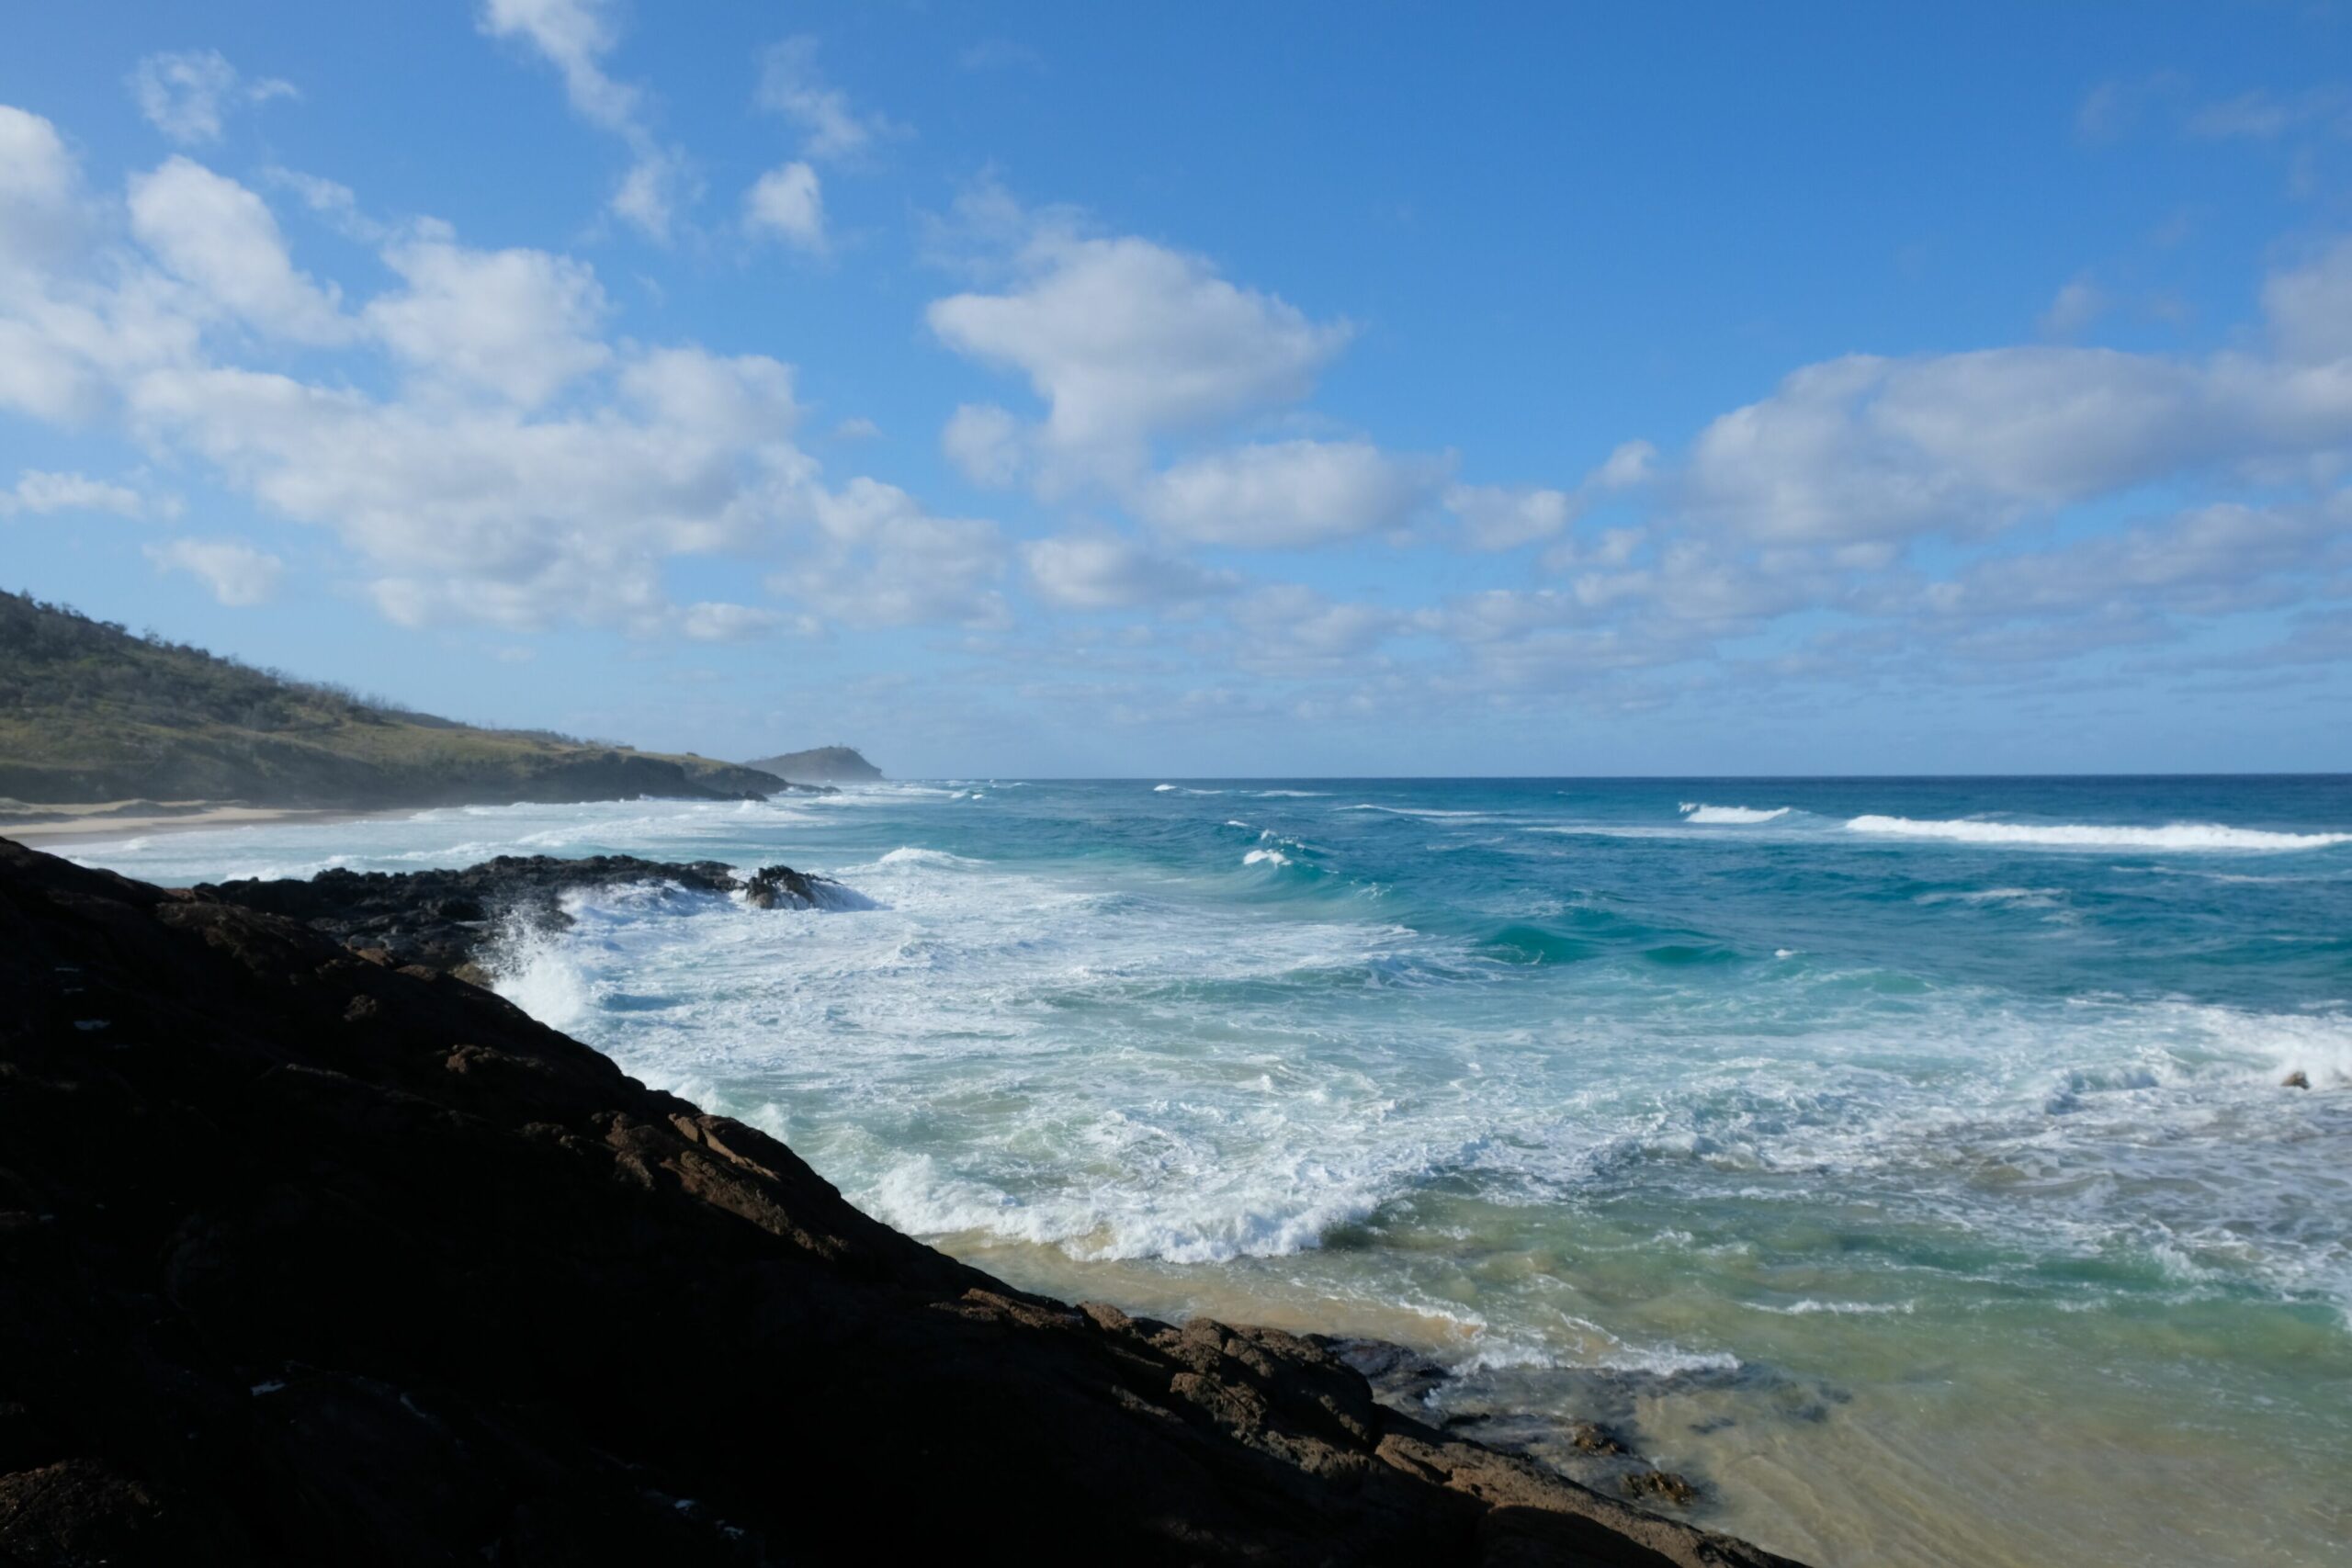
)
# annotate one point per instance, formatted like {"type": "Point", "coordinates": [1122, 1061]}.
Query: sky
{"type": "Point", "coordinates": [1210, 391]}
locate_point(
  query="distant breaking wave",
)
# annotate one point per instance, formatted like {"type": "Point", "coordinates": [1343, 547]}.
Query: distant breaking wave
{"type": "Point", "coordinates": [2172, 836]}
{"type": "Point", "coordinates": [1696, 811]}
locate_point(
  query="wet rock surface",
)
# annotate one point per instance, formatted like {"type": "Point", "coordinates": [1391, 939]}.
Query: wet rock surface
{"type": "Point", "coordinates": [446, 920]}
{"type": "Point", "coordinates": [310, 1256]}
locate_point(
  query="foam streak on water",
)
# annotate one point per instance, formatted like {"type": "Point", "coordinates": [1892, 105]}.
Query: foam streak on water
{"type": "Point", "coordinates": [1841, 1140]}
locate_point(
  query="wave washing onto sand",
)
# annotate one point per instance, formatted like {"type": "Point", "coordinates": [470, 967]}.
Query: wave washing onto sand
{"type": "Point", "coordinates": [2090, 836]}
{"type": "Point", "coordinates": [1698, 811]}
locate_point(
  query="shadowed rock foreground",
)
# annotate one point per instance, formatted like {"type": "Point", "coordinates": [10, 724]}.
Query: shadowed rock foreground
{"type": "Point", "coordinates": [306, 1258]}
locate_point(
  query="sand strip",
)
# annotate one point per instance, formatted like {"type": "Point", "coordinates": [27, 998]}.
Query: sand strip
{"type": "Point", "coordinates": [110, 822]}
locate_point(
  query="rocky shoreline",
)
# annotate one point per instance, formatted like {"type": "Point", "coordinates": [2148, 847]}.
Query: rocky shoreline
{"type": "Point", "coordinates": [446, 920]}
{"type": "Point", "coordinates": [311, 1252]}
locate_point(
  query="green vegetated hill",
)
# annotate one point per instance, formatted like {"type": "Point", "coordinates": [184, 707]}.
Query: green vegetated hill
{"type": "Point", "coordinates": [88, 712]}
{"type": "Point", "coordinates": [825, 764]}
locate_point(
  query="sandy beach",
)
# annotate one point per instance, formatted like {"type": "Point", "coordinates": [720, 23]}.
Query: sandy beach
{"type": "Point", "coordinates": [107, 822]}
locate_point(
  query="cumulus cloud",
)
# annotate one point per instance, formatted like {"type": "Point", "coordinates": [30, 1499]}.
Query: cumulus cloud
{"type": "Point", "coordinates": [1290, 629]}
{"type": "Point", "coordinates": [185, 95]}
{"type": "Point", "coordinates": [488, 513]}
{"type": "Point", "coordinates": [40, 206]}
{"type": "Point", "coordinates": [1865, 447]}
{"type": "Point", "coordinates": [238, 574]}
{"type": "Point", "coordinates": [1287, 494]}
{"type": "Point", "coordinates": [520, 469]}
{"type": "Point", "coordinates": [518, 325]}
{"type": "Point", "coordinates": [987, 443]}
{"type": "Point", "coordinates": [220, 237]}
{"type": "Point", "coordinates": [1124, 340]}
{"type": "Point", "coordinates": [1495, 517]}
{"type": "Point", "coordinates": [1106, 572]}
{"type": "Point", "coordinates": [788, 203]}
{"type": "Point", "coordinates": [1502, 517]}
{"type": "Point", "coordinates": [576, 36]}
{"type": "Point", "coordinates": [43, 493]}
{"type": "Point", "coordinates": [877, 559]}
{"type": "Point", "coordinates": [832, 128]}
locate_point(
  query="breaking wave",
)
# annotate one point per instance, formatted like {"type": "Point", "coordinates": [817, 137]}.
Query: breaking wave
{"type": "Point", "coordinates": [2093, 836]}
{"type": "Point", "coordinates": [1697, 811]}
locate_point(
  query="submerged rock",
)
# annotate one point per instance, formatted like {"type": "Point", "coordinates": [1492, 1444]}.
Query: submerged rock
{"type": "Point", "coordinates": [2296, 1080]}
{"type": "Point", "coordinates": [1396, 1373]}
{"type": "Point", "coordinates": [1591, 1438]}
{"type": "Point", "coordinates": [1661, 1486]}
{"type": "Point", "coordinates": [316, 1256]}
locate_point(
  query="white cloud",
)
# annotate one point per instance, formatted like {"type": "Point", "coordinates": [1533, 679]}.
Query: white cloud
{"type": "Point", "coordinates": [714, 622]}
{"type": "Point", "coordinates": [1105, 571]}
{"type": "Point", "coordinates": [1496, 518]}
{"type": "Point", "coordinates": [1287, 494]}
{"type": "Point", "coordinates": [575, 36]}
{"type": "Point", "coordinates": [40, 216]}
{"type": "Point", "coordinates": [788, 202]}
{"type": "Point", "coordinates": [43, 493]}
{"type": "Point", "coordinates": [519, 323]}
{"type": "Point", "coordinates": [875, 557]}
{"type": "Point", "coordinates": [481, 512]}
{"type": "Point", "coordinates": [238, 574]}
{"type": "Point", "coordinates": [1125, 340]}
{"type": "Point", "coordinates": [220, 238]}
{"type": "Point", "coordinates": [1631, 463]}
{"type": "Point", "coordinates": [2309, 308]}
{"type": "Point", "coordinates": [791, 85]}
{"type": "Point", "coordinates": [1864, 448]}
{"type": "Point", "coordinates": [1289, 630]}
{"type": "Point", "coordinates": [987, 443]}
{"type": "Point", "coordinates": [2076, 307]}
{"type": "Point", "coordinates": [183, 95]}
{"type": "Point", "coordinates": [1499, 517]}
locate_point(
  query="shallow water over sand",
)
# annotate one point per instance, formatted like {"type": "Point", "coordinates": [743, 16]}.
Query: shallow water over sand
{"type": "Point", "coordinates": [1907, 1162]}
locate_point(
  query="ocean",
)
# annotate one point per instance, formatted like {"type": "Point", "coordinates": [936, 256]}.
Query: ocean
{"type": "Point", "coordinates": [1907, 1162]}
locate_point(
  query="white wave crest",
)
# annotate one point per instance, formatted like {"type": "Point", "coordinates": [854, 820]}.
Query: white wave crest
{"type": "Point", "coordinates": [1411, 811]}
{"type": "Point", "coordinates": [914, 856]}
{"type": "Point", "coordinates": [1699, 811]}
{"type": "Point", "coordinates": [2031, 897]}
{"type": "Point", "coordinates": [1808, 1307]}
{"type": "Point", "coordinates": [2172, 836]}
{"type": "Point", "coordinates": [1265, 857]}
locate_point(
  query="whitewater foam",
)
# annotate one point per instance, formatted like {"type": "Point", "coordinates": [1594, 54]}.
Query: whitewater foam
{"type": "Point", "coordinates": [1698, 811]}
{"type": "Point", "coordinates": [2176, 836]}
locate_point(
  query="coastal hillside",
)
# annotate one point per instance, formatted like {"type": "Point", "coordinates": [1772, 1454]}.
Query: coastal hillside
{"type": "Point", "coordinates": [824, 764]}
{"type": "Point", "coordinates": [308, 1256]}
{"type": "Point", "coordinates": [90, 712]}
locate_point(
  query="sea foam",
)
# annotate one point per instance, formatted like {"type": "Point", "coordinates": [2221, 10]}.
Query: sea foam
{"type": "Point", "coordinates": [2092, 836]}
{"type": "Point", "coordinates": [1698, 811]}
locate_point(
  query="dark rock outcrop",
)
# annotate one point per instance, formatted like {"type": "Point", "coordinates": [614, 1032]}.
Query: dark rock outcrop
{"type": "Point", "coordinates": [443, 919]}
{"type": "Point", "coordinates": [307, 1257]}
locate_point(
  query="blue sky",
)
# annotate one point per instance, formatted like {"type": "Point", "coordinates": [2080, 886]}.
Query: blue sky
{"type": "Point", "coordinates": [1210, 389]}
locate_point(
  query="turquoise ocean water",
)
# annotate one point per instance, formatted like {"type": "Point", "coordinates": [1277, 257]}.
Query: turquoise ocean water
{"type": "Point", "coordinates": [1906, 1161]}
